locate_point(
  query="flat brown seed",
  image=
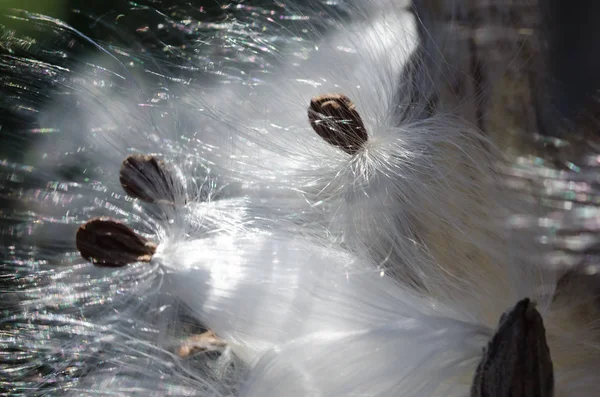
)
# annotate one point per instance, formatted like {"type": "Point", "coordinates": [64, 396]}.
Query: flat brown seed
{"type": "Point", "coordinates": [206, 342]}
{"type": "Point", "coordinates": [335, 119]}
{"type": "Point", "coordinates": [106, 242]}
{"type": "Point", "coordinates": [147, 178]}
{"type": "Point", "coordinates": [517, 361]}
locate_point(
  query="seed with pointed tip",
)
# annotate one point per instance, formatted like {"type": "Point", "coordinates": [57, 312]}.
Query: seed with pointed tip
{"type": "Point", "coordinates": [148, 178]}
{"type": "Point", "coordinates": [335, 119]}
{"type": "Point", "coordinates": [205, 342]}
{"type": "Point", "coordinates": [107, 242]}
{"type": "Point", "coordinates": [517, 360]}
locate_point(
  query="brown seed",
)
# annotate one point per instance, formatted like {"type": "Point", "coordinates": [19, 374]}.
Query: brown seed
{"type": "Point", "coordinates": [335, 119]}
{"type": "Point", "coordinates": [517, 360]}
{"type": "Point", "coordinates": [106, 242]}
{"type": "Point", "coordinates": [208, 341]}
{"type": "Point", "coordinates": [148, 178]}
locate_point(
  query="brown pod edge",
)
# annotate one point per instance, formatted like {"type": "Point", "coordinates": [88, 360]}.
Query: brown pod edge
{"type": "Point", "coordinates": [107, 242]}
{"type": "Point", "coordinates": [335, 119]}
{"type": "Point", "coordinates": [147, 178]}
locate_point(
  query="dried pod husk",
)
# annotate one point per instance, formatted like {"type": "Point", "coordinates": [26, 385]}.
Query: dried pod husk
{"type": "Point", "coordinates": [149, 179]}
{"type": "Point", "coordinates": [517, 360]}
{"type": "Point", "coordinates": [107, 242]}
{"type": "Point", "coordinates": [335, 119]}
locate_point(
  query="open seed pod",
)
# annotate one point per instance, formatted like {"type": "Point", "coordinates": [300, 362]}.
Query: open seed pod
{"type": "Point", "coordinates": [335, 119]}
{"type": "Point", "coordinates": [107, 242]}
{"type": "Point", "coordinates": [149, 179]}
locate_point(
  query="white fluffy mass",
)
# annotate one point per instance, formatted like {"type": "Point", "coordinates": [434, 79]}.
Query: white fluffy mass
{"type": "Point", "coordinates": [382, 273]}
